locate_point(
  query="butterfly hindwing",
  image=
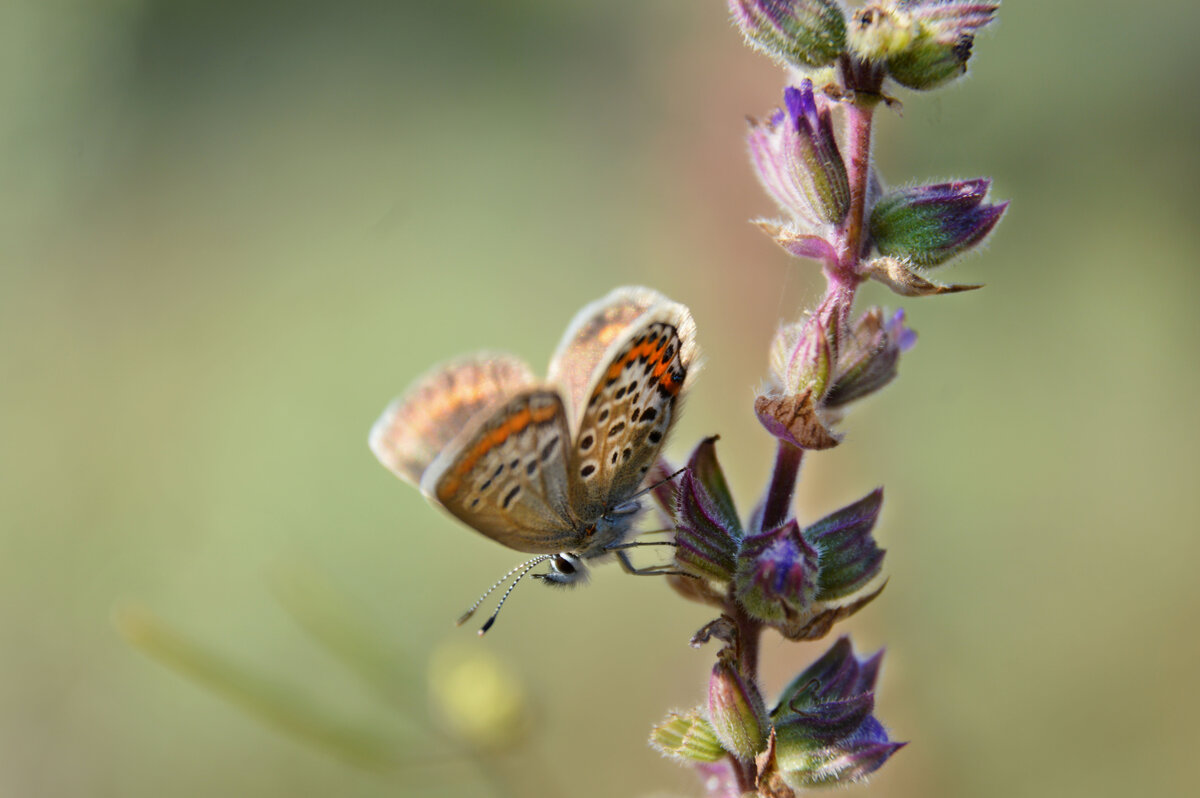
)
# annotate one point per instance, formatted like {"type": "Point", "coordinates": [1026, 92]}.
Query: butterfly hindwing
{"type": "Point", "coordinates": [508, 478]}
{"type": "Point", "coordinates": [438, 406]}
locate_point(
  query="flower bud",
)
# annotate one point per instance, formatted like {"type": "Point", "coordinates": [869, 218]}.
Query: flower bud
{"type": "Point", "coordinates": [944, 34]}
{"type": "Point", "coordinates": [686, 738]}
{"type": "Point", "coordinates": [849, 558]}
{"type": "Point", "coordinates": [707, 528]}
{"type": "Point", "coordinates": [797, 159]}
{"type": "Point", "coordinates": [836, 676]}
{"type": "Point", "coordinates": [803, 581]}
{"type": "Point", "coordinates": [849, 762]}
{"type": "Point", "coordinates": [777, 574]}
{"type": "Point", "coordinates": [801, 357]}
{"type": "Point", "coordinates": [928, 225]}
{"type": "Point", "coordinates": [823, 723]}
{"type": "Point", "coordinates": [800, 369]}
{"type": "Point", "coordinates": [736, 711]}
{"type": "Point", "coordinates": [805, 33]}
{"type": "Point", "coordinates": [825, 732]}
{"type": "Point", "coordinates": [870, 357]}
{"type": "Point", "coordinates": [879, 30]}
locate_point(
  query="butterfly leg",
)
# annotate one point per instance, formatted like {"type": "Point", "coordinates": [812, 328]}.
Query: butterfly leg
{"type": "Point", "coordinates": [639, 543]}
{"type": "Point", "coordinates": [653, 570]}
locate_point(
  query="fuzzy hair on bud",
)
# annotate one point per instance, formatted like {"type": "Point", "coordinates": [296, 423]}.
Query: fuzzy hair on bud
{"type": "Point", "coordinates": [802, 33]}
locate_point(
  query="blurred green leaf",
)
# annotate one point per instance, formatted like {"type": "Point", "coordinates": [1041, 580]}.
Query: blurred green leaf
{"type": "Point", "coordinates": [329, 617]}
{"type": "Point", "coordinates": [265, 698]}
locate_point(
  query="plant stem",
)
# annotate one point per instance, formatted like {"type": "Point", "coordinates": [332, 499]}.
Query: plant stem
{"type": "Point", "coordinates": [777, 507]}
{"type": "Point", "coordinates": [749, 633]}
{"type": "Point", "coordinates": [859, 116]}
{"type": "Point", "coordinates": [842, 277]}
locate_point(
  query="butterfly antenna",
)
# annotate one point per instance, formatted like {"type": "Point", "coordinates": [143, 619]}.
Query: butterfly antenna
{"type": "Point", "coordinates": [466, 616]}
{"type": "Point", "coordinates": [662, 481]}
{"type": "Point", "coordinates": [529, 566]}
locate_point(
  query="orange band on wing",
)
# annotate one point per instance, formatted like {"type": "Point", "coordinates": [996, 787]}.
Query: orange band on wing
{"type": "Point", "coordinates": [513, 425]}
{"type": "Point", "coordinates": [653, 352]}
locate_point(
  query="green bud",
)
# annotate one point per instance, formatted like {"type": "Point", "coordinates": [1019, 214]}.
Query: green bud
{"type": "Point", "coordinates": [880, 31]}
{"type": "Point", "coordinates": [801, 358]}
{"type": "Point", "coordinates": [928, 63]}
{"type": "Point", "coordinates": [804, 33]}
{"type": "Point", "coordinates": [943, 35]}
{"type": "Point", "coordinates": [686, 738]}
{"type": "Point", "coordinates": [925, 226]}
{"type": "Point", "coordinates": [736, 711]}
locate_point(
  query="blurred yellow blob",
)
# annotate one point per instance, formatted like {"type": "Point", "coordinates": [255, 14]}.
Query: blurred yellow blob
{"type": "Point", "coordinates": [477, 697]}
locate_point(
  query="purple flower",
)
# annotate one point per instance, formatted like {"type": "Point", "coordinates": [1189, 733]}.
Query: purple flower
{"type": "Point", "coordinates": [803, 580]}
{"type": "Point", "coordinates": [798, 161]}
{"type": "Point", "coordinates": [872, 353]}
{"type": "Point", "coordinates": [777, 575]}
{"type": "Point", "coordinates": [824, 727]}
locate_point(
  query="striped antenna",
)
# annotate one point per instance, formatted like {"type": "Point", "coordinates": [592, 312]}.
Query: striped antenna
{"type": "Point", "coordinates": [466, 616]}
{"type": "Point", "coordinates": [529, 566]}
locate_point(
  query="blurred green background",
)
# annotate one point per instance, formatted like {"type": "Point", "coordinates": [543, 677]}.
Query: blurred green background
{"type": "Point", "coordinates": [232, 231]}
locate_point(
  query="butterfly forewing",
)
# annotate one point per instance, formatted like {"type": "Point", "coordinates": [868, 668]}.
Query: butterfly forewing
{"type": "Point", "coordinates": [590, 335]}
{"type": "Point", "coordinates": [629, 410]}
{"type": "Point", "coordinates": [508, 478]}
{"type": "Point", "coordinates": [437, 407]}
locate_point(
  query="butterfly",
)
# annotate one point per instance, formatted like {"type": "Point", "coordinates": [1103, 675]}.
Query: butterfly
{"type": "Point", "coordinates": [554, 467]}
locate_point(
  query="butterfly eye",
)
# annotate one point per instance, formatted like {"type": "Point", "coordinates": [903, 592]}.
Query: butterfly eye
{"type": "Point", "coordinates": [566, 570]}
